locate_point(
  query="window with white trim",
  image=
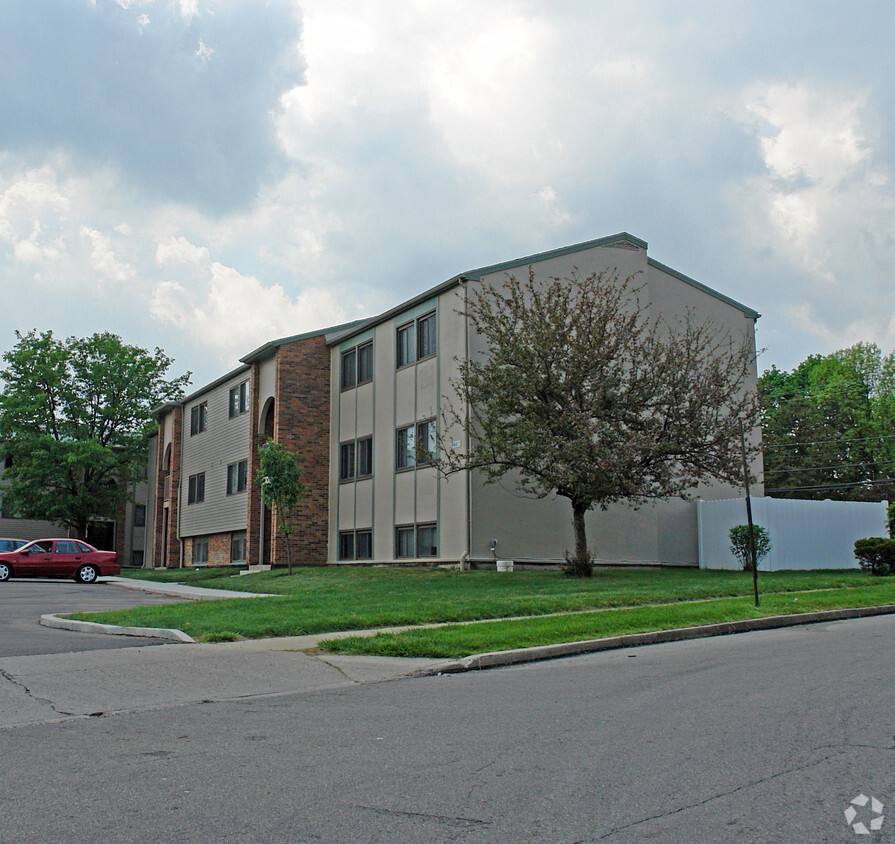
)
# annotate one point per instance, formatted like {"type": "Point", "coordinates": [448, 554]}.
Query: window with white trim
{"type": "Point", "coordinates": [239, 399]}
{"type": "Point", "coordinates": [237, 477]}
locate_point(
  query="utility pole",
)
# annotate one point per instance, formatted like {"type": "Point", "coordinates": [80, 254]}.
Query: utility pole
{"type": "Point", "coordinates": [752, 553]}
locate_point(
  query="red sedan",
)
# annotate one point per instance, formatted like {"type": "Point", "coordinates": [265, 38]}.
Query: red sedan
{"type": "Point", "coordinates": [59, 558]}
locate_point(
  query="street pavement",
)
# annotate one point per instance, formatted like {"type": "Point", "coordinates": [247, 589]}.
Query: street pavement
{"type": "Point", "coordinates": [767, 736]}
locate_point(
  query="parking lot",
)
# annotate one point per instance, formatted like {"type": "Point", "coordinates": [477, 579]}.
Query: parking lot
{"type": "Point", "coordinates": [23, 602]}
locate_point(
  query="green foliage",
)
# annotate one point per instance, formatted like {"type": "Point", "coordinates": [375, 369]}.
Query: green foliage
{"type": "Point", "coordinates": [281, 486]}
{"type": "Point", "coordinates": [740, 546]}
{"type": "Point", "coordinates": [74, 418]}
{"type": "Point", "coordinates": [828, 426]}
{"type": "Point", "coordinates": [890, 519]}
{"type": "Point", "coordinates": [876, 555]}
{"type": "Point", "coordinates": [586, 394]}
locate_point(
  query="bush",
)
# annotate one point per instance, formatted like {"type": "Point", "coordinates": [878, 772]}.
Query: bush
{"type": "Point", "coordinates": [739, 544]}
{"type": "Point", "coordinates": [890, 520]}
{"type": "Point", "coordinates": [876, 555]}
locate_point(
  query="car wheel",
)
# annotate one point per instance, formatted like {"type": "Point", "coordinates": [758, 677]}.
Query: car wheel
{"type": "Point", "coordinates": [5, 572]}
{"type": "Point", "coordinates": [87, 574]}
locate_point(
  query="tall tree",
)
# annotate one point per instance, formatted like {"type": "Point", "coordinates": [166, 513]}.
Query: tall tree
{"type": "Point", "coordinates": [829, 426]}
{"type": "Point", "coordinates": [281, 486]}
{"type": "Point", "coordinates": [74, 417]}
{"type": "Point", "coordinates": [585, 393]}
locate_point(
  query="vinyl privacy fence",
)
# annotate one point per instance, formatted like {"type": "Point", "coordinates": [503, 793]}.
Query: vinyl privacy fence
{"type": "Point", "coordinates": [804, 534]}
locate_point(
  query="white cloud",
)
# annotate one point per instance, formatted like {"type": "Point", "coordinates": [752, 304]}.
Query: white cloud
{"type": "Point", "coordinates": [103, 257]}
{"type": "Point", "coordinates": [231, 312]}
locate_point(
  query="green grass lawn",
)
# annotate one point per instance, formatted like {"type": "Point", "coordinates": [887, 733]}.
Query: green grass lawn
{"type": "Point", "coordinates": [320, 600]}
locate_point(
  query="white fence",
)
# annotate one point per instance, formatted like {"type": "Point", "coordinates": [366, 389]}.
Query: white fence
{"type": "Point", "coordinates": [804, 534]}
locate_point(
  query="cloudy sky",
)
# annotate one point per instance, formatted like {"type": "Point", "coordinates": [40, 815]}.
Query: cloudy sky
{"type": "Point", "coordinates": [207, 175]}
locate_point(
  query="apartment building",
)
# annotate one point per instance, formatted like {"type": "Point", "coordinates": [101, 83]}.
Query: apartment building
{"type": "Point", "coordinates": [205, 498]}
{"type": "Point", "coordinates": [390, 377]}
{"type": "Point", "coordinates": [362, 405]}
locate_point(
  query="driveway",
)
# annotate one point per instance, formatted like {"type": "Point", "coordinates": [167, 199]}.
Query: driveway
{"type": "Point", "coordinates": [23, 602]}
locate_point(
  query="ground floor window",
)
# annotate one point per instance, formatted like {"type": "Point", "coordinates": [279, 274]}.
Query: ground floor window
{"type": "Point", "coordinates": [356, 545]}
{"type": "Point", "coordinates": [238, 547]}
{"type": "Point", "coordinates": [419, 540]}
{"type": "Point", "coordinates": [200, 549]}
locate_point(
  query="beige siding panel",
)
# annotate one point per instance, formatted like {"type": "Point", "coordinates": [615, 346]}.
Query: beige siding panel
{"type": "Point", "coordinates": [347, 418]}
{"type": "Point", "coordinates": [364, 400]}
{"type": "Point", "coordinates": [405, 499]}
{"type": "Point", "coordinates": [224, 441]}
{"type": "Point", "coordinates": [346, 506]}
{"type": "Point", "coordinates": [364, 503]}
{"type": "Point", "coordinates": [426, 495]}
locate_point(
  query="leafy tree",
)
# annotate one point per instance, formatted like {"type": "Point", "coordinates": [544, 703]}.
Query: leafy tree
{"type": "Point", "coordinates": [828, 426]}
{"type": "Point", "coordinates": [740, 547]}
{"type": "Point", "coordinates": [74, 417]}
{"type": "Point", "coordinates": [585, 393]}
{"type": "Point", "coordinates": [281, 486]}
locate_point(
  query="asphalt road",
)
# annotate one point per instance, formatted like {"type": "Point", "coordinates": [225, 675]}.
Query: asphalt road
{"type": "Point", "coordinates": [758, 737]}
{"type": "Point", "coordinates": [22, 602]}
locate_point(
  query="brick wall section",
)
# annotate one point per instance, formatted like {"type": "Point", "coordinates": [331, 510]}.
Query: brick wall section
{"type": "Point", "coordinates": [175, 417]}
{"type": "Point", "coordinates": [218, 550]}
{"type": "Point", "coordinates": [124, 556]}
{"type": "Point", "coordinates": [254, 504]}
{"type": "Point", "coordinates": [302, 425]}
{"type": "Point", "coordinates": [158, 538]}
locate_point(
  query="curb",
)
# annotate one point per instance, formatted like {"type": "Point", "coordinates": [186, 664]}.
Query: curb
{"type": "Point", "coordinates": [496, 659]}
{"type": "Point", "coordinates": [174, 635]}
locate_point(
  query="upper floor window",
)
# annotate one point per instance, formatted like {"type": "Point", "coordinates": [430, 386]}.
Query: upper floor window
{"type": "Point", "coordinates": [416, 340]}
{"type": "Point", "coordinates": [196, 488]}
{"type": "Point", "coordinates": [356, 459]}
{"type": "Point", "coordinates": [139, 515]}
{"type": "Point", "coordinates": [239, 399]}
{"type": "Point", "coordinates": [237, 477]}
{"type": "Point", "coordinates": [415, 445]}
{"type": "Point", "coordinates": [198, 418]}
{"type": "Point", "coordinates": [357, 366]}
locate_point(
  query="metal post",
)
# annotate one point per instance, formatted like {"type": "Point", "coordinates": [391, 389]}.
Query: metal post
{"type": "Point", "coordinates": [752, 553]}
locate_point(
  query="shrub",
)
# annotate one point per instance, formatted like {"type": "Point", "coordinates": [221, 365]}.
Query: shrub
{"type": "Point", "coordinates": [739, 544]}
{"type": "Point", "coordinates": [876, 555]}
{"type": "Point", "coordinates": [890, 520]}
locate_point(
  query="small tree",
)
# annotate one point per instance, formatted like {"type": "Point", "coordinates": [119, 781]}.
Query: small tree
{"type": "Point", "coordinates": [739, 544]}
{"type": "Point", "coordinates": [74, 418]}
{"type": "Point", "coordinates": [281, 486]}
{"type": "Point", "coordinates": [586, 394]}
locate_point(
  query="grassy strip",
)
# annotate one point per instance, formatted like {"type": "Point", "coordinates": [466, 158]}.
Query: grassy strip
{"type": "Point", "coordinates": [320, 600]}
{"type": "Point", "coordinates": [459, 640]}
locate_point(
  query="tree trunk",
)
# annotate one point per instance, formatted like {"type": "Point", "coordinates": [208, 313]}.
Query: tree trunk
{"type": "Point", "coordinates": [582, 564]}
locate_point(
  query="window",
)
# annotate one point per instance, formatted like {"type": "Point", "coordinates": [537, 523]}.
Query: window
{"type": "Point", "coordinates": [238, 547]}
{"type": "Point", "coordinates": [200, 549]}
{"type": "Point", "coordinates": [346, 461]}
{"type": "Point", "coordinates": [416, 340]}
{"type": "Point", "coordinates": [363, 545]}
{"type": "Point", "coordinates": [237, 477]}
{"type": "Point", "coordinates": [406, 348]}
{"type": "Point", "coordinates": [415, 445]}
{"type": "Point", "coordinates": [365, 457]}
{"type": "Point", "coordinates": [356, 545]}
{"type": "Point", "coordinates": [365, 363]}
{"type": "Point", "coordinates": [425, 442]}
{"type": "Point", "coordinates": [405, 448]}
{"type": "Point", "coordinates": [426, 541]}
{"type": "Point", "coordinates": [137, 559]}
{"type": "Point", "coordinates": [356, 459]}
{"type": "Point", "coordinates": [425, 336]}
{"type": "Point", "coordinates": [198, 419]}
{"type": "Point", "coordinates": [85, 548]}
{"type": "Point", "coordinates": [404, 542]}
{"type": "Point", "coordinates": [349, 369]}
{"type": "Point", "coordinates": [139, 515]}
{"type": "Point", "coordinates": [346, 545]}
{"type": "Point", "coordinates": [239, 399]}
{"type": "Point", "coordinates": [416, 541]}
{"type": "Point", "coordinates": [66, 546]}
{"type": "Point", "coordinates": [196, 489]}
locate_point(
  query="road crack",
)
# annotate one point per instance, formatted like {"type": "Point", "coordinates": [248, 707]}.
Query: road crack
{"type": "Point", "coordinates": [44, 701]}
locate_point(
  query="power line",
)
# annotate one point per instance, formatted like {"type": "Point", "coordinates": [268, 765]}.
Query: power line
{"type": "Point", "coordinates": [840, 440]}
{"type": "Point", "coordinates": [829, 486]}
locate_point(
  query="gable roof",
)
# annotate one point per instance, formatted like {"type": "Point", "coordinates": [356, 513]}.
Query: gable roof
{"type": "Point", "coordinates": [622, 240]}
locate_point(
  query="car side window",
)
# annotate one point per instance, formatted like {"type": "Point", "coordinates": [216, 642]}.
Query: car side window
{"type": "Point", "coordinates": [83, 547]}
{"type": "Point", "coordinates": [66, 548]}
{"type": "Point", "coordinates": [41, 547]}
